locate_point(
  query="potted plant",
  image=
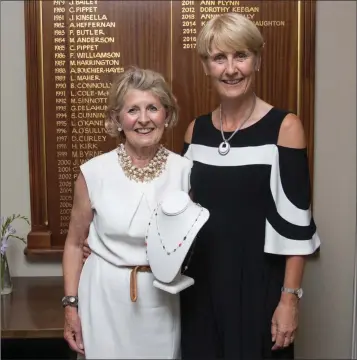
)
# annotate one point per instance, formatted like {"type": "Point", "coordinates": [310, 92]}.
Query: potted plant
{"type": "Point", "coordinates": [7, 232]}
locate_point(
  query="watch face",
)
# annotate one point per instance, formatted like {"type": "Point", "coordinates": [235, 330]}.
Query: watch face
{"type": "Point", "coordinates": [69, 300]}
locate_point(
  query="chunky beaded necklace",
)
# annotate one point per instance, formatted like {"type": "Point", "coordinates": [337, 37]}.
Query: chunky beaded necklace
{"type": "Point", "coordinates": [153, 170]}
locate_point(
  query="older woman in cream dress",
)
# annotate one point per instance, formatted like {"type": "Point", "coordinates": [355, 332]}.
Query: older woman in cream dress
{"type": "Point", "coordinates": [112, 310]}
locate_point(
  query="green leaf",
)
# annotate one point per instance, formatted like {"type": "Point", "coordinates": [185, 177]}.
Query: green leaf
{"type": "Point", "coordinates": [9, 221]}
{"type": "Point", "coordinates": [18, 237]}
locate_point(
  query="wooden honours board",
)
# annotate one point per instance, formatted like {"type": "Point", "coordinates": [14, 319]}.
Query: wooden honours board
{"type": "Point", "coordinates": [75, 48]}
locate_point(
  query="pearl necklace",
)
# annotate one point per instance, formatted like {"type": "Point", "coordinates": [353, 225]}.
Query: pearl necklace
{"type": "Point", "coordinates": [151, 171]}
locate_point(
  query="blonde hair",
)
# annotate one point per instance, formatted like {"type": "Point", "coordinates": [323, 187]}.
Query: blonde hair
{"type": "Point", "coordinates": [227, 32]}
{"type": "Point", "coordinates": [138, 79]}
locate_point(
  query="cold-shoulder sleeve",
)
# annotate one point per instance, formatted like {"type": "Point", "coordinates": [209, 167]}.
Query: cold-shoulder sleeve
{"type": "Point", "coordinates": [290, 228]}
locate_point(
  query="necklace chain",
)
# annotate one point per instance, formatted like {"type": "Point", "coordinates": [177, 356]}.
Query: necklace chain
{"type": "Point", "coordinates": [181, 242]}
{"type": "Point", "coordinates": [225, 141]}
{"type": "Point", "coordinates": [151, 171]}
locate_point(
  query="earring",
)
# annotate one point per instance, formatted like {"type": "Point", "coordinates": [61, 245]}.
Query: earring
{"type": "Point", "coordinates": [166, 125]}
{"type": "Point", "coordinates": [120, 129]}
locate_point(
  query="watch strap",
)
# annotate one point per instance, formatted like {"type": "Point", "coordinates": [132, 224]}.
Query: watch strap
{"type": "Point", "coordinates": [298, 292]}
{"type": "Point", "coordinates": [70, 301]}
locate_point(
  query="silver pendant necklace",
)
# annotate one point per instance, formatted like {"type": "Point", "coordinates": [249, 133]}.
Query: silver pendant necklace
{"type": "Point", "coordinates": [224, 147]}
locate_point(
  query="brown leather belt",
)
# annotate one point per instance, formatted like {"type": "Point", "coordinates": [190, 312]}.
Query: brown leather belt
{"type": "Point", "coordinates": [133, 279]}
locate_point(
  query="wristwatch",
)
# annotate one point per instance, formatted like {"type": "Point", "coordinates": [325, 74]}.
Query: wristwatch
{"type": "Point", "coordinates": [298, 292]}
{"type": "Point", "coordinates": [70, 301]}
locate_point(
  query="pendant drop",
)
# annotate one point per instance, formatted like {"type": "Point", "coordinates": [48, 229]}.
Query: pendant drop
{"type": "Point", "coordinates": [224, 148]}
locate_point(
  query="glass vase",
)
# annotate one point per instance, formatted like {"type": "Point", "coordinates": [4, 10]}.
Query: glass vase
{"type": "Point", "coordinates": [6, 282]}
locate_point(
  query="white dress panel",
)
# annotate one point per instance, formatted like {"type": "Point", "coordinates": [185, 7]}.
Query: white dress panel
{"type": "Point", "coordinates": [114, 327]}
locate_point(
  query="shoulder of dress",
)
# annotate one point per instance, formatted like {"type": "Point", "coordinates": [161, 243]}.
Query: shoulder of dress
{"type": "Point", "coordinates": [180, 160]}
{"type": "Point", "coordinates": [99, 160]}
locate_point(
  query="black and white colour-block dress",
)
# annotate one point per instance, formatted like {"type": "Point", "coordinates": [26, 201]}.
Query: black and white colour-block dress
{"type": "Point", "coordinates": [258, 196]}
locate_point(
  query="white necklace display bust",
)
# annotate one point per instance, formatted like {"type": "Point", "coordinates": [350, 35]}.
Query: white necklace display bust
{"type": "Point", "coordinates": [170, 235]}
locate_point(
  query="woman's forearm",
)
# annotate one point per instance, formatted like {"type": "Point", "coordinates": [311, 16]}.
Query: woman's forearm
{"type": "Point", "coordinates": [294, 271]}
{"type": "Point", "coordinates": [81, 217]}
{"type": "Point", "coordinates": [72, 267]}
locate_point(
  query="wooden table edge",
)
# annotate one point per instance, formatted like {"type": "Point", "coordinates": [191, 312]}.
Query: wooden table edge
{"type": "Point", "coordinates": [32, 334]}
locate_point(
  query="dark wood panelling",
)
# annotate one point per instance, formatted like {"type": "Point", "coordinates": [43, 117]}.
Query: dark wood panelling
{"type": "Point", "coordinates": [152, 34]}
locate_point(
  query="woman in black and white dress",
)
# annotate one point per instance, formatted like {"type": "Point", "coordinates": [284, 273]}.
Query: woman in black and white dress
{"type": "Point", "coordinates": [251, 172]}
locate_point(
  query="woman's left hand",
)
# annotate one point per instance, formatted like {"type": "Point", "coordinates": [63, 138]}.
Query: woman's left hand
{"type": "Point", "coordinates": [284, 324]}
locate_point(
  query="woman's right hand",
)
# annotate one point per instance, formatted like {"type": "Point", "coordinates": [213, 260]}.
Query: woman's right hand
{"type": "Point", "coordinates": [73, 329]}
{"type": "Point", "coordinates": [86, 250]}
